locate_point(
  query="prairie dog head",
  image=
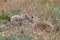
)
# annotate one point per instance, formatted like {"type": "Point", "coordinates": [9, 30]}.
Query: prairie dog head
{"type": "Point", "coordinates": [34, 19]}
{"type": "Point", "coordinates": [24, 16]}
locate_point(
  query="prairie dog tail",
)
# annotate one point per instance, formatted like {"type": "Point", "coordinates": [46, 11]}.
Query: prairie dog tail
{"type": "Point", "coordinates": [49, 25]}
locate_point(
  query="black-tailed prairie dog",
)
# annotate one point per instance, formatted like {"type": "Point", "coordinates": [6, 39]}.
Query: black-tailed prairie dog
{"type": "Point", "coordinates": [17, 20]}
{"type": "Point", "coordinates": [40, 24]}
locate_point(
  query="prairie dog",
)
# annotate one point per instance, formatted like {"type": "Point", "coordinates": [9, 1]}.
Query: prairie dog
{"type": "Point", "coordinates": [17, 20]}
{"type": "Point", "coordinates": [40, 24]}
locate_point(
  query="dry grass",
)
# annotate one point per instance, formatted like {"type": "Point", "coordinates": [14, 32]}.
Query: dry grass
{"type": "Point", "coordinates": [48, 10]}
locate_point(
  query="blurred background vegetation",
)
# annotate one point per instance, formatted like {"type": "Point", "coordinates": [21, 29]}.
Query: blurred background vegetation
{"type": "Point", "coordinates": [46, 10]}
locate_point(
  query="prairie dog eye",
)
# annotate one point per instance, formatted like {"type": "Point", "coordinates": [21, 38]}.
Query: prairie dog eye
{"type": "Point", "coordinates": [32, 17]}
{"type": "Point", "coordinates": [25, 15]}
